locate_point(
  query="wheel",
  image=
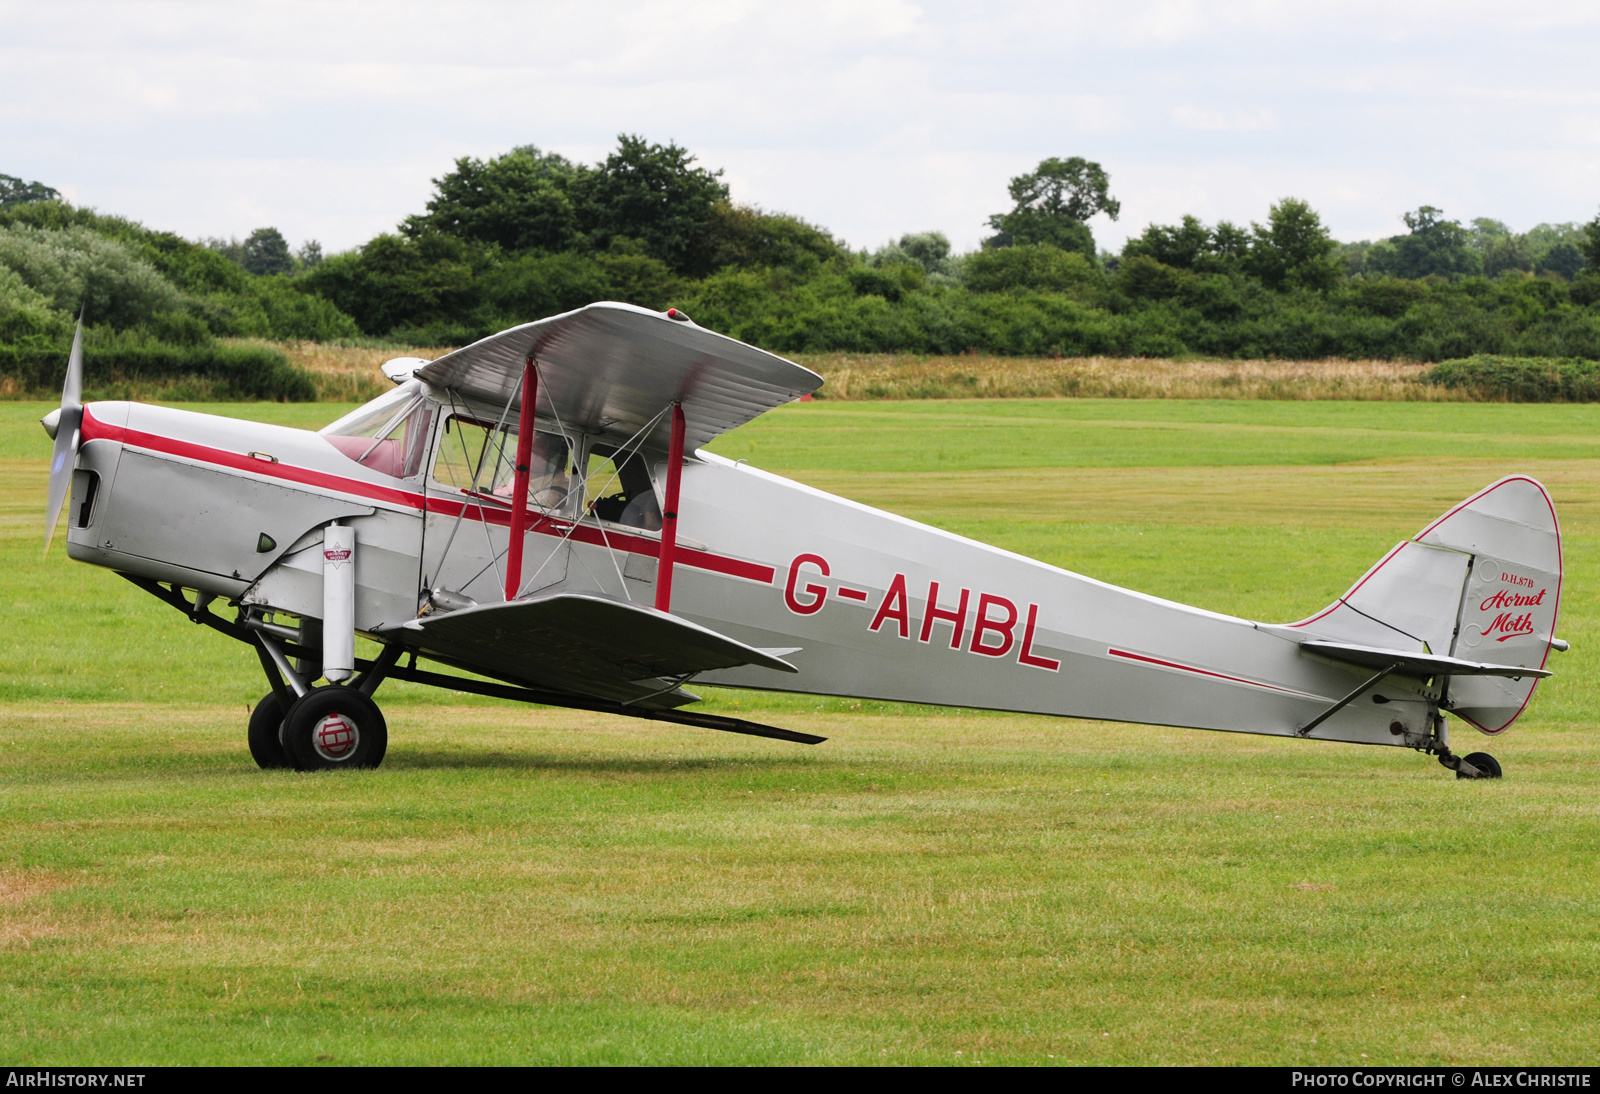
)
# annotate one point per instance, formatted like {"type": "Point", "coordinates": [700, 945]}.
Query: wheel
{"type": "Point", "coordinates": [1484, 763]}
{"type": "Point", "coordinates": [334, 727]}
{"type": "Point", "coordinates": [265, 723]}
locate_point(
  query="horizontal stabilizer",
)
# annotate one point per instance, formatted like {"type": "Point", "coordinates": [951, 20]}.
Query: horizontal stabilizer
{"type": "Point", "coordinates": [577, 643]}
{"type": "Point", "coordinates": [1412, 663]}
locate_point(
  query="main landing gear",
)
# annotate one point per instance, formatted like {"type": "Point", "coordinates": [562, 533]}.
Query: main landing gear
{"type": "Point", "coordinates": [333, 727]}
{"type": "Point", "coordinates": [328, 728]}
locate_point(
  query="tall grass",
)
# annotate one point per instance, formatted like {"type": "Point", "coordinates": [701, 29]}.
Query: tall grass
{"type": "Point", "coordinates": [982, 376]}
{"type": "Point", "coordinates": [349, 373]}
{"type": "Point", "coordinates": [346, 372]}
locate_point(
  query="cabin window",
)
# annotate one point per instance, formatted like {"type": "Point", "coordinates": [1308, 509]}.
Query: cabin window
{"type": "Point", "coordinates": [474, 455]}
{"type": "Point", "coordinates": [389, 434]}
{"type": "Point", "coordinates": [621, 493]}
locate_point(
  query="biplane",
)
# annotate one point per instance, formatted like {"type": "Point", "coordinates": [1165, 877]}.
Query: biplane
{"type": "Point", "coordinates": [538, 510]}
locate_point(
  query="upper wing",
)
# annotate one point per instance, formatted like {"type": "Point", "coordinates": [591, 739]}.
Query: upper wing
{"type": "Point", "coordinates": [609, 368]}
{"type": "Point", "coordinates": [577, 643]}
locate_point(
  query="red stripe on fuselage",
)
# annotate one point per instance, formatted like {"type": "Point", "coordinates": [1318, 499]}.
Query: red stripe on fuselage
{"type": "Point", "coordinates": [94, 429]}
{"type": "Point", "coordinates": [1199, 672]}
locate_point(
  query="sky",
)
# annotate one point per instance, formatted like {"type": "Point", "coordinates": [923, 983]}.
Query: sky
{"type": "Point", "coordinates": [871, 118]}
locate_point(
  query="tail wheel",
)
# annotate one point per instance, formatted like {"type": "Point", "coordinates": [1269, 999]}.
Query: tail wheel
{"type": "Point", "coordinates": [334, 727]}
{"type": "Point", "coordinates": [266, 724]}
{"type": "Point", "coordinates": [1487, 764]}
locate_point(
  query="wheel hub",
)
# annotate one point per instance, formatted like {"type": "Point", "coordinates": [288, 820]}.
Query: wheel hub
{"type": "Point", "coordinates": [335, 737]}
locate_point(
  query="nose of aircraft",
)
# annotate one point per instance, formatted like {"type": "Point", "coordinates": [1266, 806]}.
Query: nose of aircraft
{"type": "Point", "coordinates": [52, 422]}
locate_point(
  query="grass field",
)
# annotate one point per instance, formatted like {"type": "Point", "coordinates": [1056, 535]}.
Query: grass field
{"type": "Point", "coordinates": [521, 885]}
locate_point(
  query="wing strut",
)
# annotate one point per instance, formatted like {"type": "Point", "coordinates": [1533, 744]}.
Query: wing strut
{"type": "Point", "coordinates": [519, 489]}
{"type": "Point", "coordinates": [669, 513]}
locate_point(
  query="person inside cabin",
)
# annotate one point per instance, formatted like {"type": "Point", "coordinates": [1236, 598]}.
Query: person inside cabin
{"type": "Point", "coordinates": [549, 476]}
{"type": "Point", "coordinates": [625, 493]}
{"type": "Point", "coordinates": [549, 470]}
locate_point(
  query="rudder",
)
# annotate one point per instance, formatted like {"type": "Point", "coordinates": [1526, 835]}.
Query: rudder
{"type": "Point", "coordinates": [1482, 583]}
{"type": "Point", "coordinates": [1512, 597]}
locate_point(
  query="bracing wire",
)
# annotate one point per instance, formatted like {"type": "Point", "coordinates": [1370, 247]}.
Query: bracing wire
{"type": "Point", "coordinates": [626, 447]}
{"type": "Point", "coordinates": [477, 472]}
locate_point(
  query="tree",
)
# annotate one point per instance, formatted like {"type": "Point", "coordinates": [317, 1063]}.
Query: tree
{"type": "Point", "coordinates": [1192, 246]}
{"type": "Point", "coordinates": [1589, 243]}
{"type": "Point", "coordinates": [392, 281]}
{"type": "Point", "coordinates": [653, 193]}
{"type": "Point", "coordinates": [929, 250]}
{"type": "Point", "coordinates": [78, 267]}
{"type": "Point", "coordinates": [1498, 246]}
{"type": "Point", "coordinates": [1485, 232]}
{"type": "Point", "coordinates": [266, 252]}
{"type": "Point", "coordinates": [523, 200]}
{"type": "Point", "coordinates": [1031, 266]}
{"type": "Point", "coordinates": [231, 249]}
{"type": "Point", "coordinates": [13, 191]}
{"type": "Point", "coordinates": [1434, 247]}
{"type": "Point", "coordinates": [1052, 205]}
{"type": "Point", "coordinates": [1507, 252]}
{"type": "Point", "coordinates": [1293, 250]}
{"type": "Point", "coordinates": [743, 235]}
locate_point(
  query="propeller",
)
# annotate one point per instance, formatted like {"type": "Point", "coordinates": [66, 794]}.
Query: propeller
{"type": "Point", "coordinates": [65, 426]}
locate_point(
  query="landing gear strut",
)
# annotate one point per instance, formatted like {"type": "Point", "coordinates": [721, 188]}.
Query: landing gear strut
{"type": "Point", "coordinates": [1474, 765]}
{"type": "Point", "coordinates": [307, 728]}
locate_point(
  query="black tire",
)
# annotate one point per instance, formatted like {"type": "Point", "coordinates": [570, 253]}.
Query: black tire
{"type": "Point", "coordinates": [266, 723]}
{"type": "Point", "coordinates": [1484, 763]}
{"type": "Point", "coordinates": [332, 728]}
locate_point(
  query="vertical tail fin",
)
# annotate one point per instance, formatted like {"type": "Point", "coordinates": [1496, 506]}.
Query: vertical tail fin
{"type": "Point", "coordinates": [1513, 593]}
{"type": "Point", "coordinates": [1481, 583]}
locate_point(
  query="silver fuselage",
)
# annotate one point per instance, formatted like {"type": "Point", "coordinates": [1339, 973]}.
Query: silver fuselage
{"type": "Point", "coordinates": [872, 605]}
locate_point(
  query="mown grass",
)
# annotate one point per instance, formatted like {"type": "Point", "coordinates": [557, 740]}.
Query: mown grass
{"type": "Point", "coordinates": [520, 885]}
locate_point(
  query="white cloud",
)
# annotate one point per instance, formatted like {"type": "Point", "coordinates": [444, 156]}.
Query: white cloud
{"type": "Point", "coordinates": [871, 117]}
{"type": "Point", "coordinates": [1224, 121]}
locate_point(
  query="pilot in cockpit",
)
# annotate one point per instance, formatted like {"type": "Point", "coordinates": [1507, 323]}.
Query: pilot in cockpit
{"type": "Point", "coordinates": [623, 492]}
{"type": "Point", "coordinates": [549, 472]}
